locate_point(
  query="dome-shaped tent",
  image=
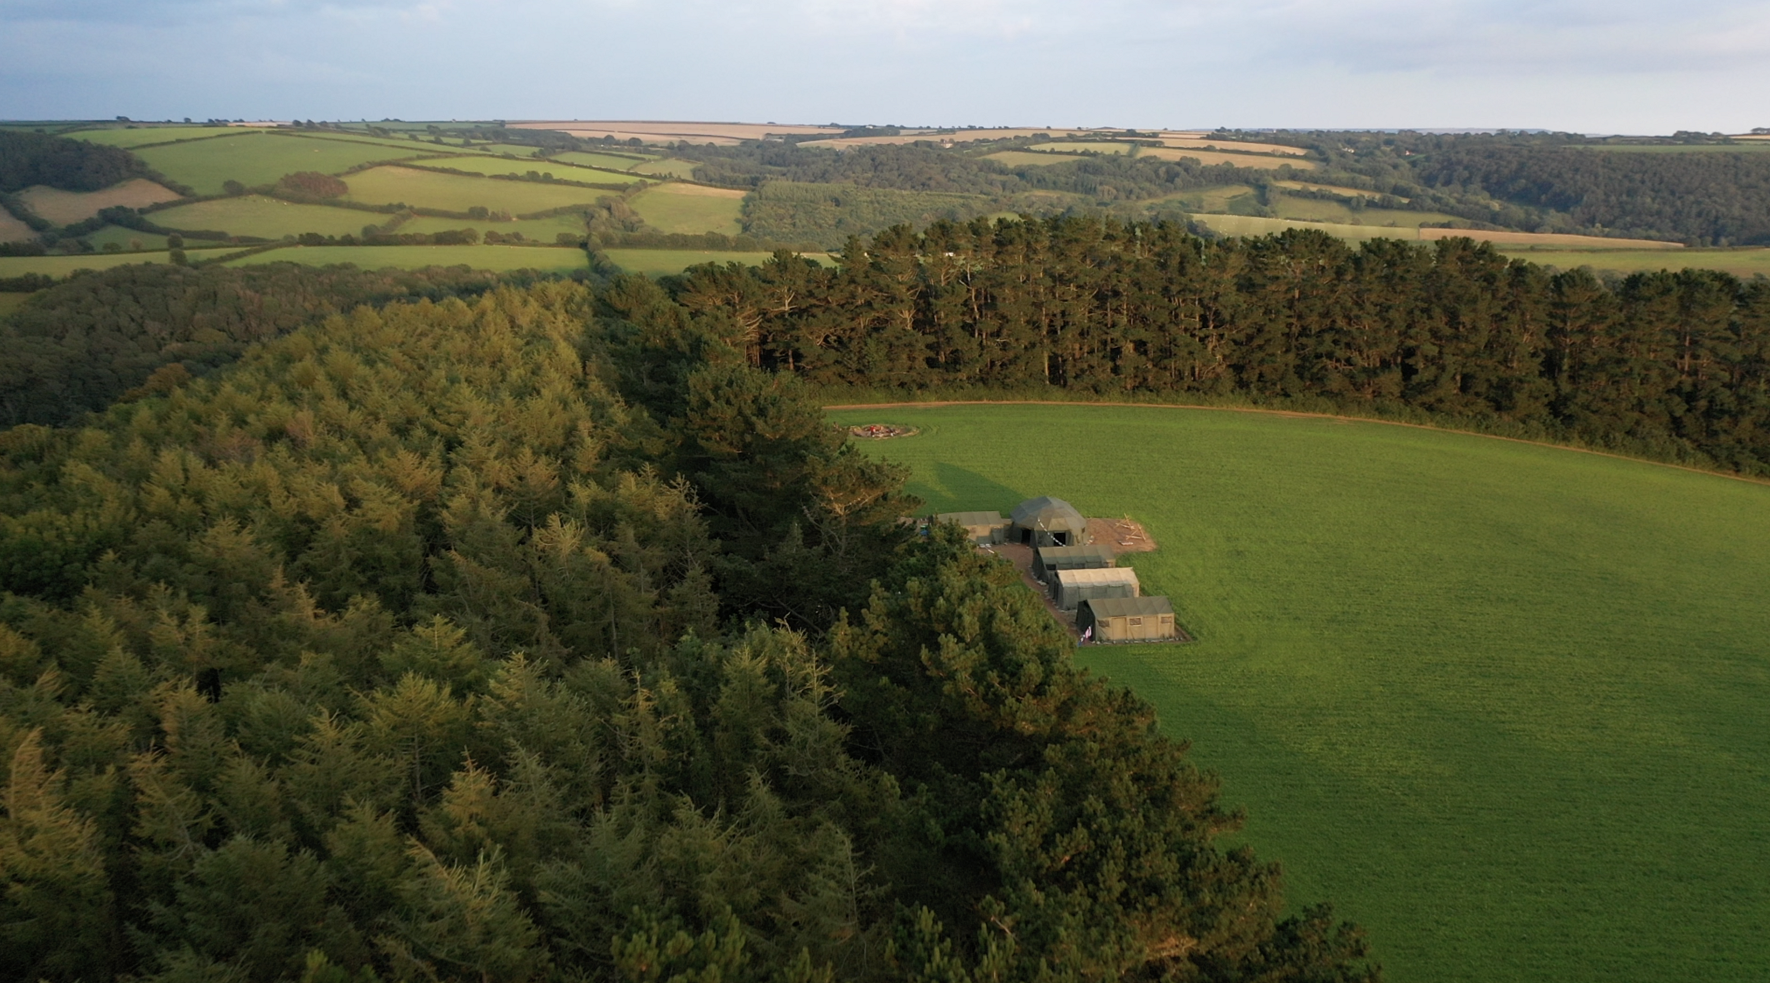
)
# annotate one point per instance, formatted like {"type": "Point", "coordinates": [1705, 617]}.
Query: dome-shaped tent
{"type": "Point", "coordinates": [1047, 521]}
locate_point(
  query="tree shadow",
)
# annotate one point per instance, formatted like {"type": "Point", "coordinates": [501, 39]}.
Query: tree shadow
{"type": "Point", "coordinates": [957, 489]}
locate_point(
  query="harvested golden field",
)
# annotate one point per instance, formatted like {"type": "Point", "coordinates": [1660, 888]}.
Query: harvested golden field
{"type": "Point", "coordinates": [1197, 143]}
{"type": "Point", "coordinates": [68, 207]}
{"type": "Point", "coordinates": [1251, 225]}
{"type": "Point", "coordinates": [1028, 158]}
{"type": "Point", "coordinates": [1332, 189]}
{"type": "Point", "coordinates": [1549, 239]}
{"type": "Point", "coordinates": [657, 131]}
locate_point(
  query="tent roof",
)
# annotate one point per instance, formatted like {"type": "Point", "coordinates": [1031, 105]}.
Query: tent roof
{"type": "Point", "coordinates": [971, 518]}
{"type": "Point", "coordinates": [1098, 575]}
{"type": "Point", "coordinates": [1046, 512]}
{"type": "Point", "coordinates": [1136, 607]}
{"type": "Point", "coordinates": [1055, 554]}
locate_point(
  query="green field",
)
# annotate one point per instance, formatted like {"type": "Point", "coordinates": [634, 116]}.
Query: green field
{"type": "Point", "coordinates": [1028, 158]}
{"type": "Point", "coordinates": [1317, 210]}
{"type": "Point", "coordinates": [266, 218]}
{"type": "Point", "coordinates": [458, 192]}
{"type": "Point", "coordinates": [126, 238]}
{"type": "Point", "coordinates": [662, 262]}
{"type": "Point", "coordinates": [262, 158]}
{"type": "Point", "coordinates": [500, 259]}
{"type": "Point", "coordinates": [1251, 225]}
{"type": "Point", "coordinates": [141, 136]}
{"type": "Point", "coordinates": [1503, 704]}
{"type": "Point", "coordinates": [483, 164]}
{"type": "Point", "coordinates": [689, 208]}
{"type": "Point", "coordinates": [63, 265]}
{"type": "Point", "coordinates": [616, 162]}
{"type": "Point", "coordinates": [540, 229]}
{"type": "Point", "coordinates": [1739, 262]}
{"type": "Point", "coordinates": [668, 168]}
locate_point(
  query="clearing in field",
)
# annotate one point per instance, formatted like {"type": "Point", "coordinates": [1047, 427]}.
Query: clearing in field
{"type": "Point", "coordinates": [1503, 704]}
{"type": "Point", "coordinates": [691, 208]}
{"type": "Point", "coordinates": [59, 266]}
{"type": "Point", "coordinates": [666, 262]}
{"type": "Point", "coordinates": [255, 159]}
{"type": "Point", "coordinates": [460, 192]}
{"type": "Point", "coordinates": [132, 137]}
{"type": "Point", "coordinates": [502, 259]}
{"type": "Point", "coordinates": [68, 207]}
{"type": "Point", "coordinates": [265, 218]}
{"type": "Point", "coordinates": [1743, 263]}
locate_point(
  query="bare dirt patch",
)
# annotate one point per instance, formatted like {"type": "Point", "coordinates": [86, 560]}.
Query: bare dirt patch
{"type": "Point", "coordinates": [881, 431]}
{"type": "Point", "coordinates": [68, 207]}
{"type": "Point", "coordinates": [1122, 535]}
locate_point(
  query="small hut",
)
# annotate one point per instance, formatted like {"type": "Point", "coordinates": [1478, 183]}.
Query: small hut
{"type": "Point", "coordinates": [984, 528]}
{"type": "Point", "coordinates": [1050, 559]}
{"type": "Point", "coordinates": [1047, 521]}
{"type": "Point", "coordinates": [1127, 619]}
{"type": "Point", "coordinates": [1069, 588]}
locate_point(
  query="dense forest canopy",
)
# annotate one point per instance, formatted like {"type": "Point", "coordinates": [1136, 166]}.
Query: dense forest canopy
{"type": "Point", "coordinates": [540, 636]}
{"type": "Point", "coordinates": [28, 159]}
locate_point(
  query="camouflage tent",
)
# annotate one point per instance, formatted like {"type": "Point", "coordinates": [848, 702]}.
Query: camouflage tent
{"type": "Point", "coordinates": [1069, 588]}
{"type": "Point", "coordinates": [1127, 619]}
{"type": "Point", "coordinates": [1053, 558]}
{"type": "Point", "coordinates": [1047, 521]}
{"type": "Point", "coordinates": [984, 528]}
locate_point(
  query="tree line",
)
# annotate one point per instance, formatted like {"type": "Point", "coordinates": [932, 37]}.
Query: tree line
{"type": "Point", "coordinates": [1669, 364]}
{"type": "Point", "coordinates": [539, 636]}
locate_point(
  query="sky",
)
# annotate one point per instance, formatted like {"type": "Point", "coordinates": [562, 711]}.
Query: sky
{"type": "Point", "coordinates": [1593, 66]}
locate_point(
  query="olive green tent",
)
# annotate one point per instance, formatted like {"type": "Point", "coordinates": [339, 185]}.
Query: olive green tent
{"type": "Point", "coordinates": [1127, 619]}
{"type": "Point", "coordinates": [1050, 559]}
{"type": "Point", "coordinates": [984, 528]}
{"type": "Point", "coordinates": [1047, 521]}
{"type": "Point", "coordinates": [1069, 588]}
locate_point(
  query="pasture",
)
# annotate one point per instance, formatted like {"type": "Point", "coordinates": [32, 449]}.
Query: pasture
{"type": "Point", "coordinates": [1316, 210]}
{"type": "Point", "coordinates": [539, 229]}
{"type": "Point", "coordinates": [1503, 704]}
{"type": "Point", "coordinates": [671, 167]}
{"type": "Point", "coordinates": [265, 218]}
{"type": "Point", "coordinates": [691, 208]}
{"type": "Point", "coordinates": [1366, 228]}
{"type": "Point", "coordinates": [1744, 263]}
{"type": "Point", "coordinates": [487, 165]}
{"type": "Point", "coordinates": [501, 259]}
{"type": "Point", "coordinates": [665, 262]}
{"type": "Point", "coordinates": [59, 266]}
{"type": "Point", "coordinates": [1258, 162]}
{"type": "Point", "coordinates": [460, 192]}
{"type": "Point", "coordinates": [613, 162]}
{"type": "Point", "coordinates": [261, 158]}
{"type": "Point", "coordinates": [1332, 189]}
{"type": "Point", "coordinates": [68, 207]}
{"type": "Point", "coordinates": [1029, 158]}
{"type": "Point", "coordinates": [140, 136]}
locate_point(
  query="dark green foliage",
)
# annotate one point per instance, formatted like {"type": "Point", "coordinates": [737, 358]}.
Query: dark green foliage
{"type": "Point", "coordinates": [1671, 364]}
{"type": "Point", "coordinates": [393, 652]}
{"type": "Point", "coordinates": [28, 159]}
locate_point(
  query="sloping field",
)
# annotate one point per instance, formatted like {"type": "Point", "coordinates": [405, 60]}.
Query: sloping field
{"type": "Point", "coordinates": [565, 171]}
{"type": "Point", "coordinates": [68, 207]}
{"type": "Point", "coordinates": [1678, 148]}
{"type": "Point", "coordinates": [1503, 704]}
{"type": "Point", "coordinates": [614, 162]}
{"type": "Point", "coordinates": [1250, 225]}
{"type": "Point", "coordinates": [691, 208]}
{"type": "Point", "coordinates": [130, 239]}
{"type": "Point", "coordinates": [1329, 188]}
{"type": "Point", "coordinates": [655, 131]}
{"type": "Point", "coordinates": [663, 262]}
{"type": "Point", "coordinates": [265, 218]}
{"type": "Point", "coordinates": [668, 168]}
{"type": "Point", "coordinates": [63, 265]}
{"type": "Point", "coordinates": [13, 230]}
{"type": "Point", "coordinates": [1550, 239]}
{"type": "Point", "coordinates": [261, 158]}
{"type": "Point", "coordinates": [1028, 158]}
{"type": "Point", "coordinates": [1743, 263]}
{"type": "Point", "coordinates": [497, 258]}
{"type": "Point", "coordinates": [459, 192]}
{"type": "Point", "coordinates": [1316, 210]}
{"type": "Point", "coordinates": [1198, 143]}
{"type": "Point", "coordinates": [1214, 199]}
{"type": "Point", "coordinates": [538, 229]}
{"type": "Point", "coordinates": [1209, 157]}
{"type": "Point", "coordinates": [132, 137]}
{"type": "Point", "coordinates": [956, 136]}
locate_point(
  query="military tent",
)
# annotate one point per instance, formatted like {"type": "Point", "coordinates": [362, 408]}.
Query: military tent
{"type": "Point", "coordinates": [1047, 521]}
{"type": "Point", "coordinates": [984, 528]}
{"type": "Point", "coordinates": [1053, 558]}
{"type": "Point", "coordinates": [1069, 588]}
{"type": "Point", "coordinates": [1127, 619]}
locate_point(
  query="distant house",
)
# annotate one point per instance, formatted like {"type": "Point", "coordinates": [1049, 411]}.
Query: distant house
{"type": "Point", "coordinates": [1069, 588]}
{"type": "Point", "coordinates": [1047, 521]}
{"type": "Point", "coordinates": [984, 528]}
{"type": "Point", "coordinates": [1050, 559]}
{"type": "Point", "coordinates": [1127, 619]}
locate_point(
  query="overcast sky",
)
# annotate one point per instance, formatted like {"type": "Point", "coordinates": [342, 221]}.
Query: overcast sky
{"type": "Point", "coordinates": [1602, 66]}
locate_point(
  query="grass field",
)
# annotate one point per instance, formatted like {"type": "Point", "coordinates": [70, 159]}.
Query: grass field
{"type": "Point", "coordinates": [1216, 199]}
{"type": "Point", "coordinates": [141, 136]}
{"type": "Point", "coordinates": [497, 258]}
{"type": "Point", "coordinates": [1739, 262]}
{"type": "Point", "coordinates": [1208, 157]}
{"type": "Point", "coordinates": [1330, 188]}
{"type": "Point", "coordinates": [663, 262]}
{"type": "Point", "coordinates": [63, 265]}
{"type": "Point", "coordinates": [1316, 210]}
{"type": "Point", "coordinates": [126, 239]}
{"type": "Point", "coordinates": [68, 207]}
{"type": "Point", "coordinates": [483, 164]}
{"type": "Point", "coordinates": [1503, 704]}
{"type": "Point", "coordinates": [266, 218]}
{"type": "Point", "coordinates": [1028, 158]}
{"type": "Point", "coordinates": [1251, 225]}
{"type": "Point", "coordinates": [458, 193]}
{"type": "Point", "coordinates": [541, 229]}
{"type": "Point", "coordinates": [691, 208]}
{"type": "Point", "coordinates": [668, 168]}
{"type": "Point", "coordinates": [616, 162]}
{"type": "Point", "coordinates": [262, 158]}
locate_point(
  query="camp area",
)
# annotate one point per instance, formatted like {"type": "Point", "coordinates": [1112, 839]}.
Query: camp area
{"type": "Point", "coordinates": [1047, 521]}
{"type": "Point", "coordinates": [984, 528]}
{"type": "Point", "coordinates": [1069, 588]}
{"type": "Point", "coordinates": [1049, 559]}
{"type": "Point", "coordinates": [1126, 619]}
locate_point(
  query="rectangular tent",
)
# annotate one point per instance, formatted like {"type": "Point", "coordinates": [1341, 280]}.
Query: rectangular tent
{"type": "Point", "coordinates": [1050, 559]}
{"type": "Point", "coordinates": [984, 528]}
{"type": "Point", "coordinates": [1069, 588]}
{"type": "Point", "coordinates": [1128, 619]}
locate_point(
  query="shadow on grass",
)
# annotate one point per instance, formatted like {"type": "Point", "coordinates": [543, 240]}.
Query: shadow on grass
{"type": "Point", "coordinates": [956, 489]}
